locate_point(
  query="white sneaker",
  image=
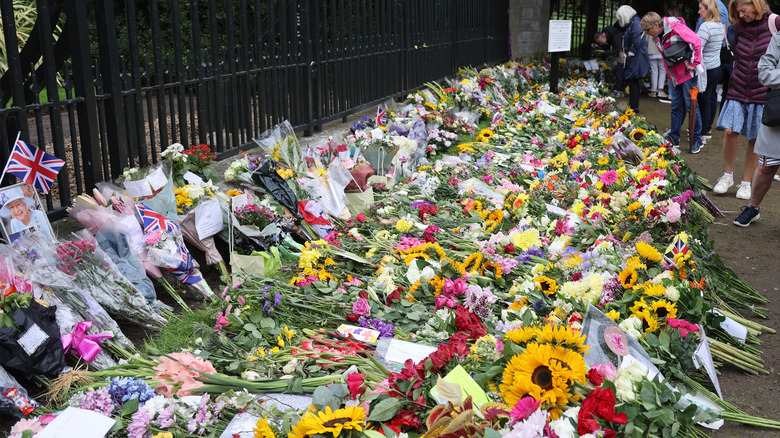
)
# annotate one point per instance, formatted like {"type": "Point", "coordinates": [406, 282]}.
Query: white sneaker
{"type": "Point", "coordinates": [724, 182]}
{"type": "Point", "coordinates": [743, 191]}
{"type": "Point", "coordinates": [662, 94]}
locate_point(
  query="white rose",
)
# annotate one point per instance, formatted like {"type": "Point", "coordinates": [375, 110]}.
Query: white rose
{"type": "Point", "coordinates": [624, 388]}
{"type": "Point", "coordinates": [672, 293]}
{"type": "Point", "coordinates": [250, 375]}
{"type": "Point", "coordinates": [563, 426]}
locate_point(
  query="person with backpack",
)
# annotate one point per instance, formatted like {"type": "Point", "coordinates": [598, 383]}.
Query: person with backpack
{"type": "Point", "coordinates": [742, 111]}
{"type": "Point", "coordinates": [681, 70]}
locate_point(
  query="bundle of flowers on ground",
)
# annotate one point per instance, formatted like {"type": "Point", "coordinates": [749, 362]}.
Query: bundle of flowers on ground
{"type": "Point", "coordinates": [539, 268]}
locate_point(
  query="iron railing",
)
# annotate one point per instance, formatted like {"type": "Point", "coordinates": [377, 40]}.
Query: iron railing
{"type": "Point", "coordinates": [138, 76]}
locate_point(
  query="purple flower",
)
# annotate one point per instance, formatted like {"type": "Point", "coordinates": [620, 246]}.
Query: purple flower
{"type": "Point", "coordinates": [167, 417]}
{"type": "Point", "coordinates": [137, 428]}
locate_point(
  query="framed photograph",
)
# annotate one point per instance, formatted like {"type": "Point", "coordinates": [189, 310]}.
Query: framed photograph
{"type": "Point", "coordinates": [21, 213]}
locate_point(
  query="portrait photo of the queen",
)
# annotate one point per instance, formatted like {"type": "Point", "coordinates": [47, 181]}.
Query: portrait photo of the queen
{"type": "Point", "coordinates": [21, 213]}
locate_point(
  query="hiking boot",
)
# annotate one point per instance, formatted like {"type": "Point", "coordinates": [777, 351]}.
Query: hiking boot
{"type": "Point", "coordinates": [696, 146]}
{"type": "Point", "coordinates": [743, 191]}
{"type": "Point", "coordinates": [748, 215]}
{"type": "Point", "coordinates": [723, 184]}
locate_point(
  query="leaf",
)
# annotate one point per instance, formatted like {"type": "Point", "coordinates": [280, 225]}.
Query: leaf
{"type": "Point", "coordinates": [129, 407]}
{"type": "Point", "coordinates": [385, 410]}
{"type": "Point", "coordinates": [267, 323]}
{"type": "Point", "coordinates": [249, 327]}
{"type": "Point", "coordinates": [492, 433]}
{"type": "Point", "coordinates": [375, 434]}
{"type": "Point", "coordinates": [449, 391]}
{"type": "Point", "coordinates": [256, 316]}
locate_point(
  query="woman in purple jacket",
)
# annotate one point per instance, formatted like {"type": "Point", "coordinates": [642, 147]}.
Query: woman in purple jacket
{"type": "Point", "coordinates": [741, 113]}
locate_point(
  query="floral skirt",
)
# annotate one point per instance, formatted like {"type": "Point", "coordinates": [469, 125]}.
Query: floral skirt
{"type": "Point", "coordinates": [740, 117]}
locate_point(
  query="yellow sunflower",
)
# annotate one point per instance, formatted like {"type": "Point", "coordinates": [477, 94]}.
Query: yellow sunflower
{"type": "Point", "coordinates": [613, 315]}
{"type": "Point", "coordinates": [562, 335]}
{"type": "Point", "coordinates": [648, 252]}
{"type": "Point", "coordinates": [522, 335]}
{"type": "Point", "coordinates": [329, 423]}
{"type": "Point", "coordinates": [649, 321]}
{"type": "Point", "coordinates": [546, 285]}
{"type": "Point", "coordinates": [263, 430]}
{"type": "Point", "coordinates": [664, 309]}
{"type": "Point", "coordinates": [654, 290]}
{"type": "Point", "coordinates": [638, 134]}
{"type": "Point", "coordinates": [635, 263]}
{"type": "Point", "coordinates": [638, 307]}
{"type": "Point", "coordinates": [628, 277]}
{"type": "Point", "coordinates": [544, 372]}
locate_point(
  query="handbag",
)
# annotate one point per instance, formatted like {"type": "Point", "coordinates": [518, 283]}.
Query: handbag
{"type": "Point", "coordinates": [771, 115]}
{"type": "Point", "coordinates": [677, 52]}
{"type": "Point", "coordinates": [726, 55]}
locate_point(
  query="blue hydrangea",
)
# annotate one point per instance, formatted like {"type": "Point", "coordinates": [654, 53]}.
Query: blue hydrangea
{"type": "Point", "coordinates": [123, 389]}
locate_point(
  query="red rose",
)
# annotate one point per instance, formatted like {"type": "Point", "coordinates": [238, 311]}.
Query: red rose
{"type": "Point", "coordinates": [355, 385]}
{"type": "Point", "coordinates": [394, 296]}
{"type": "Point", "coordinates": [363, 294]}
{"type": "Point", "coordinates": [352, 317]}
{"type": "Point", "coordinates": [595, 377]}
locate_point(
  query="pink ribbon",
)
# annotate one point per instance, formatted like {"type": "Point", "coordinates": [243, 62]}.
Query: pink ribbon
{"type": "Point", "coordinates": [87, 346]}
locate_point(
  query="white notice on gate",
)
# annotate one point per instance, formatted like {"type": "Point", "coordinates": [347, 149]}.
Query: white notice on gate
{"type": "Point", "coordinates": [559, 39]}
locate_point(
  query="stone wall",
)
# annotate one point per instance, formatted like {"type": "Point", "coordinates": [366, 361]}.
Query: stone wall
{"type": "Point", "coordinates": [528, 27]}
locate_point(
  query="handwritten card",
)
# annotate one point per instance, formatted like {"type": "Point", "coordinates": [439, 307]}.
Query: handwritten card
{"type": "Point", "coordinates": [208, 219]}
{"type": "Point", "coordinates": [193, 179]}
{"type": "Point", "coordinates": [157, 179]}
{"type": "Point", "coordinates": [398, 351]}
{"type": "Point", "coordinates": [138, 189]}
{"type": "Point", "coordinates": [32, 339]}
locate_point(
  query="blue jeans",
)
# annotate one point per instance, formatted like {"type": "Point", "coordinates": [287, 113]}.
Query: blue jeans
{"type": "Point", "coordinates": [681, 104]}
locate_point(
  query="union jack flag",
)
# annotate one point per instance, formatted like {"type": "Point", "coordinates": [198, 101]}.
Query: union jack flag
{"type": "Point", "coordinates": [153, 220]}
{"type": "Point", "coordinates": [678, 246]}
{"type": "Point", "coordinates": [33, 166]}
{"type": "Point", "coordinates": [187, 272]}
{"type": "Point", "coordinates": [381, 117]}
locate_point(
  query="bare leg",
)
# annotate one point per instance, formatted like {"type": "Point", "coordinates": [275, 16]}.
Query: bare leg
{"type": "Point", "coordinates": [751, 160]}
{"type": "Point", "coordinates": [762, 180]}
{"type": "Point", "coordinates": [730, 145]}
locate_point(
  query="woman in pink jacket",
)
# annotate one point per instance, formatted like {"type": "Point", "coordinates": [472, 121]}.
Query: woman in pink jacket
{"type": "Point", "coordinates": [682, 75]}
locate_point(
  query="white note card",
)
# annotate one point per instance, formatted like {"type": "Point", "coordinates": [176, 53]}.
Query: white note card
{"type": "Point", "coordinates": [157, 179]}
{"type": "Point", "coordinates": [138, 189]}
{"type": "Point", "coordinates": [193, 179]}
{"type": "Point", "coordinates": [398, 351]}
{"type": "Point", "coordinates": [208, 219]}
{"type": "Point", "coordinates": [72, 421]}
{"type": "Point", "coordinates": [32, 339]}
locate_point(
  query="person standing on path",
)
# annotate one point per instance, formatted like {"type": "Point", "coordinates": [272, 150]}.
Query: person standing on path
{"type": "Point", "coordinates": [612, 36]}
{"type": "Point", "coordinates": [682, 75]}
{"type": "Point", "coordinates": [712, 33]}
{"type": "Point", "coordinates": [768, 141]}
{"type": "Point", "coordinates": [634, 44]}
{"type": "Point", "coordinates": [741, 114]}
{"type": "Point", "coordinates": [657, 70]}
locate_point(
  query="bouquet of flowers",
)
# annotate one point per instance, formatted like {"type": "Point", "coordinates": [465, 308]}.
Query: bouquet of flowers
{"type": "Point", "coordinates": [200, 218]}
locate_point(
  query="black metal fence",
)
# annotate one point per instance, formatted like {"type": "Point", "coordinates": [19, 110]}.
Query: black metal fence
{"type": "Point", "coordinates": [136, 76]}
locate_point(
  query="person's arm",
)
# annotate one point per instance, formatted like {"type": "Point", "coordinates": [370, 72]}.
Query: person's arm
{"type": "Point", "coordinates": [768, 71]}
{"type": "Point", "coordinates": [704, 35]}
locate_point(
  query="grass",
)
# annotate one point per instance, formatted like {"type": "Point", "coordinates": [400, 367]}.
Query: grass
{"type": "Point", "coordinates": [180, 333]}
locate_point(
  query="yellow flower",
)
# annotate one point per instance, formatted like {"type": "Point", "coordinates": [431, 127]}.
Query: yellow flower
{"type": "Point", "coordinates": [329, 423]}
{"type": "Point", "coordinates": [607, 141]}
{"type": "Point", "coordinates": [546, 284]}
{"type": "Point", "coordinates": [628, 277]}
{"type": "Point", "coordinates": [629, 112]}
{"type": "Point", "coordinates": [232, 192]}
{"type": "Point", "coordinates": [163, 435]}
{"type": "Point", "coordinates": [279, 341]}
{"type": "Point", "coordinates": [664, 309]}
{"type": "Point", "coordinates": [648, 252]}
{"type": "Point", "coordinates": [287, 332]}
{"type": "Point", "coordinates": [526, 239]}
{"type": "Point", "coordinates": [263, 430]}
{"type": "Point", "coordinates": [635, 263]}
{"type": "Point", "coordinates": [603, 160]}
{"type": "Point", "coordinates": [613, 315]}
{"type": "Point", "coordinates": [634, 206]}
{"type": "Point", "coordinates": [403, 226]}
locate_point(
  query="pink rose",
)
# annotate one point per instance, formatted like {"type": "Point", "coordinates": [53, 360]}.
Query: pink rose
{"type": "Point", "coordinates": [361, 307]}
{"type": "Point", "coordinates": [673, 214]}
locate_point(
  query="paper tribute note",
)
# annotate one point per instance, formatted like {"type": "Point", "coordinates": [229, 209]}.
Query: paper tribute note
{"type": "Point", "coordinates": [75, 422]}
{"type": "Point", "coordinates": [157, 179]}
{"type": "Point", "coordinates": [32, 339]}
{"type": "Point", "coordinates": [138, 189]}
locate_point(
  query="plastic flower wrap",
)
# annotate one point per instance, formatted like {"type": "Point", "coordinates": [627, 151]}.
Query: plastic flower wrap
{"type": "Point", "coordinates": [94, 271]}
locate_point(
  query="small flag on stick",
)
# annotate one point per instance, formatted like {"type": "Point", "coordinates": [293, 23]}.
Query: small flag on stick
{"type": "Point", "coordinates": [32, 165]}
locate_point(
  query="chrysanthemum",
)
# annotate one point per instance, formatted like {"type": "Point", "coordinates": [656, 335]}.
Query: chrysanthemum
{"type": "Point", "coordinates": [648, 251]}
{"type": "Point", "coordinates": [543, 372]}
{"type": "Point", "coordinates": [524, 240]}
{"type": "Point", "coordinates": [664, 309]}
{"type": "Point", "coordinates": [546, 284]}
{"type": "Point", "coordinates": [628, 277]}
{"type": "Point", "coordinates": [329, 423]}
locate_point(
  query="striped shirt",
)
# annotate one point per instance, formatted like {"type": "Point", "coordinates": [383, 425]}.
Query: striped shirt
{"type": "Point", "coordinates": [711, 34]}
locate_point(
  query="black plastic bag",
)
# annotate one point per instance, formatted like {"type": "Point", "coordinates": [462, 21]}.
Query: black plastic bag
{"type": "Point", "coordinates": [274, 184]}
{"type": "Point", "coordinates": [35, 348]}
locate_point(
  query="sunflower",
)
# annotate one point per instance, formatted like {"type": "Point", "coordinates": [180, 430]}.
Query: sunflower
{"type": "Point", "coordinates": [648, 251]}
{"type": "Point", "coordinates": [329, 423]}
{"type": "Point", "coordinates": [522, 335]}
{"type": "Point", "coordinates": [562, 335]}
{"type": "Point", "coordinates": [628, 277]}
{"type": "Point", "coordinates": [544, 372]}
{"type": "Point", "coordinates": [263, 430]}
{"type": "Point", "coordinates": [664, 309]}
{"type": "Point", "coordinates": [613, 315]}
{"type": "Point", "coordinates": [638, 134]}
{"type": "Point", "coordinates": [635, 263]}
{"type": "Point", "coordinates": [649, 321]}
{"type": "Point", "coordinates": [546, 284]}
{"type": "Point", "coordinates": [654, 290]}
{"type": "Point", "coordinates": [638, 307]}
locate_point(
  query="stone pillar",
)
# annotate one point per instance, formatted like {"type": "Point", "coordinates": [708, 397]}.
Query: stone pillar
{"type": "Point", "coordinates": [528, 27]}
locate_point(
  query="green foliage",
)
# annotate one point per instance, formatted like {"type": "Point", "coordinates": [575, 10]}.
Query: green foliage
{"type": "Point", "coordinates": [25, 15]}
{"type": "Point", "coordinates": [180, 333]}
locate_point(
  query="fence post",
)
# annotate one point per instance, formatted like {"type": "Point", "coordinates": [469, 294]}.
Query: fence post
{"type": "Point", "coordinates": [116, 129]}
{"type": "Point", "coordinates": [78, 27]}
{"type": "Point", "coordinates": [18, 121]}
{"type": "Point", "coordinates": [306, 36]}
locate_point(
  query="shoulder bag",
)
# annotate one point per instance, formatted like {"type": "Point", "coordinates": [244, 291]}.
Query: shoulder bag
{"type": "Point", "coordinates": [771, 115]}
{"type": "Point", "coordinates": [677, 52]}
